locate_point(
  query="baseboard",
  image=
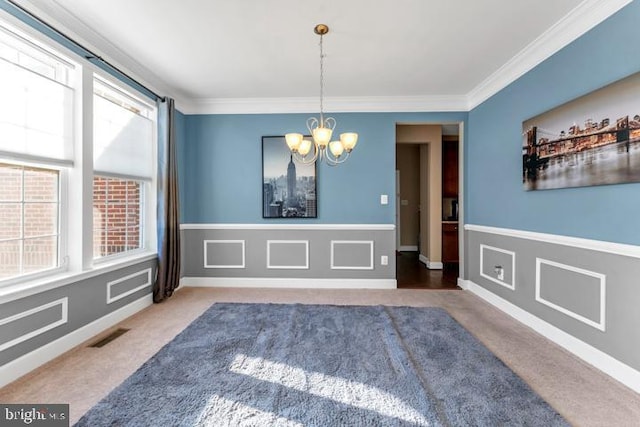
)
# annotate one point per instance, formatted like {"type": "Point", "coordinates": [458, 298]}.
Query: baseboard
{"type": "Point", "coordinates": [291, 283]}
{"type": "Point", "coordinates": [30, 361]}
{"type": "Point", "coordinates": [463, 284]}
{"type": "Point", "coordinates": [597, 358]}
{"type": "Point", "coordinates": [408, 249]}
{"type": "Point", "coordinates": [431, 265]}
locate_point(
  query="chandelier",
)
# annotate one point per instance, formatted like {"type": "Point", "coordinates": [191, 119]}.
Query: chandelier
{"type": "Point", "coordinates": [333, 152]}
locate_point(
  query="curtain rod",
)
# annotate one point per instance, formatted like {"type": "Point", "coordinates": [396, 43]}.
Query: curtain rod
{"type": "Point", "coordinates": [89, 54]}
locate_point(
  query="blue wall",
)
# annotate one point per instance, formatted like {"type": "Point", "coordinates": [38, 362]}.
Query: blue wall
{"type": "Point", "coordinates": [495, 196]}
{"type": "Point", "coordinates": [221, 167]}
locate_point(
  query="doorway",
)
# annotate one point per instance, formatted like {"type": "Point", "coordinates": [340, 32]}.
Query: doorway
{"type": "Point", "coordinates": [428, 191]}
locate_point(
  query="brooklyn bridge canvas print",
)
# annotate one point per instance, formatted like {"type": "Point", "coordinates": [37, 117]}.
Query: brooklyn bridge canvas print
{"type": "Point", "coordinates": [592, 140]}
{"type": "Point", "coordinates": [288, 186]}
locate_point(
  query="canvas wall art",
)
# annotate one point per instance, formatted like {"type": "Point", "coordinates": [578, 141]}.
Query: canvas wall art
{"type": "Point", "coordinates": [288, 187]}
{"type": "Point", "coordinates": [592, 140]}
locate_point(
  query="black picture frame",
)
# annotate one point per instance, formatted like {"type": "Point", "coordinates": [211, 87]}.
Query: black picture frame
{"type": "Point", "coordinates": [282, 175]}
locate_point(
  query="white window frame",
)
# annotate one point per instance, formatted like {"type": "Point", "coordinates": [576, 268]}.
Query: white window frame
{"type": "Point", "coordinates": [75, 223]}
{"type": "Point", "coordinates": [148, 190]}
{"type": "Point", "coordinates": [62, 238]}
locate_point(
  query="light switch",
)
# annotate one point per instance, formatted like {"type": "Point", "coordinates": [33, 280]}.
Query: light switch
{"type": "Point", "coordinates": [384, 199]}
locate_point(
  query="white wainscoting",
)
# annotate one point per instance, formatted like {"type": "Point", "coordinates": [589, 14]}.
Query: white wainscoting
{"type": "Point", "coordinates": [304, 266]}
{"type": "Point", "coordinates": [512, 254]}
{"type": "Point", "coordinates": [352, 242]}
{"type": "Point", "coordinates": [241, 264]}
{"type": "Point", "coordinates": [111, 298]}
{"type": "Point", "coordinates": [600, 324]}
{"type": "Point", "coordinates": [64, 315]}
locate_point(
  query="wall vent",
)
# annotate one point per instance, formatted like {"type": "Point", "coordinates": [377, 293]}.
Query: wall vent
{"type": "Point", "coordinates": [112, 336]}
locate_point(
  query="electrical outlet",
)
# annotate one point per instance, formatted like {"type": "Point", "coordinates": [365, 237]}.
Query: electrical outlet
{"type": "Point", "coordinates": [499, 272]}
{"type": "Point", "coordinates": [384, 199]}
{"type": "Point", "coordinates": [384, 260]}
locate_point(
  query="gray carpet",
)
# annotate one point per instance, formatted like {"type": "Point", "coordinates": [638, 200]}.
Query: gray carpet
{"type": "Point", "coordinates": [319, 365]}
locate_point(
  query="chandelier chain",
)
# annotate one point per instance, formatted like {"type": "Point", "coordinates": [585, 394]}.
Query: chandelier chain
{"type": "Point", "coordinates": [321, 82]}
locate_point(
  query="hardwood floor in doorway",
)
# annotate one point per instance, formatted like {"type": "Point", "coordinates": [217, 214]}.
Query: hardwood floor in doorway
{"type": "Point", "coordinates": [412, 274]}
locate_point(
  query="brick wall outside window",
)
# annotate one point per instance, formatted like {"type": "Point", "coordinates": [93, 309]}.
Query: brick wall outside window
{"type": "Point", "coordinates": [29, 208]}
{"type": "Point", "coordinates": [116, 215]}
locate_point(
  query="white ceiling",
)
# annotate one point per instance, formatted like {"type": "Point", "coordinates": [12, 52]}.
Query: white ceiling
{"type": "Point", "coordinates": [210, 52]}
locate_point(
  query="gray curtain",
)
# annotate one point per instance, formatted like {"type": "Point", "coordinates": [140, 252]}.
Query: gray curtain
{"type": "Point", "coordinates": [168, 274]}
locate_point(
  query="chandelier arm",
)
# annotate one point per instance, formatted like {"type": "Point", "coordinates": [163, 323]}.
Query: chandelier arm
{"type": "Point", "coordinates": [334, 161]}
{"type": "Point", "coordinates": [312, 123]}
{"type": "Point", "coordinates": [330, 123]}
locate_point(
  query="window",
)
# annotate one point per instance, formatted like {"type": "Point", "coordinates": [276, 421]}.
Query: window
{"type": "Point", "coordinates": [36, 122]}
{"type": "Point", "coordinates": [29, 211]}
{"type": "Point", "coordinates": [46, 153]}
{"type": "Point", "coordinates": [117, 220]}
{"type": "Point", "coordinates": [123, 163]}
{"type": "Point", "coordinates": [36, 106]}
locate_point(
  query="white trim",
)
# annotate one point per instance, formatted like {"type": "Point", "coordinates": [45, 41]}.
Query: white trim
{"type": "Point", "coordinates": [64, 315]}
{"type": "Point", "coordinates": [597, 358]}
{"type": "Point", "coordinates": [463, 284]}
{"type": "Point", "coordinates": [511, 286]}
{"type": "Point", "coordinates": [368, 227]}
{"type": "Point", "coordinates": [431, 265]}
{"type": "Point", "coordinates": [242, 265]}
{"type": "Point", "coordinates": [30, 361]}
{"type": "Point", "coordinates": [22, 290]}
{"type": "Point", "coordinates": [408, 249]}
{"type": "Point", "coordinates": [585, 16]}
{"type": "Point", "coordinates": [603, 292]}
{"type": "Point", "coordinates": [581, 19]}
{"type": "Point", "coordinates": [291, 283]}
{"type": "Point", "coordinates": [361, 104]}
{"type": "Point", "coordinates": [288, 267]}
{"type": "Point", "coordinates": [111, 299]}
{"type": "Point", "coordinates": [576, 242]}
{"type": "Point", "coordinates": [352, 242]}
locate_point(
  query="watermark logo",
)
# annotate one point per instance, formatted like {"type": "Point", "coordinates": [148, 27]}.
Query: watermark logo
{"type": "Point", "coordinates": [34, 415]}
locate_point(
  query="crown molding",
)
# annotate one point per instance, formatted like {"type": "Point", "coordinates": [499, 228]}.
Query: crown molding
{"type": "Point", "coordinates": [581, 19]}
{"type": "Point", "coordinates": [360, 104]}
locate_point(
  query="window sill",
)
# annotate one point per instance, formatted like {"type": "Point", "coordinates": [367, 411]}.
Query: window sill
{"type": "Point", "coordinates": [24, 289]}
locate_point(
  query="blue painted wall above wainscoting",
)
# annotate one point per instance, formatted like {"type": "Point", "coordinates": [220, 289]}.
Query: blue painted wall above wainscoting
{"type": "Point", "coordinates": [495, 196]}
{"type": "Point", "coordinates": [220, 167]}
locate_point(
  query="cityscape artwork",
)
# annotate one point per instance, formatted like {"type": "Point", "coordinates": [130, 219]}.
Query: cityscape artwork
{"type": "Point", "coordinates": [288, 186]}
{"type": "Point", "coordinates": [592, 140]}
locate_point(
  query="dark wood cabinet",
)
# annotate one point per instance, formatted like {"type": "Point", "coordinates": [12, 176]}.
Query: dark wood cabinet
{"type": "Point", "coordinates": [449, 242]}
{"type": "Point", "coordinates": [450, 169]}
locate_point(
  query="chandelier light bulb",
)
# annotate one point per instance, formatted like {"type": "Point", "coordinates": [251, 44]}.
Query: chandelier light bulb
{"type": "Point", "coordinates": [336, 148]}
{"type": "Point", "coordinates": [305, 147]}
{"type": "Point", "coordinates": [293, 141]}
{"type": "Point", "coordinates": [349, 140]}
{"type": "Point", "coordinates": [322, 136]}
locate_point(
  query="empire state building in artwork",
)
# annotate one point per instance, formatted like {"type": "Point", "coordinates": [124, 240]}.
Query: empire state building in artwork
{"type": "Point", "coordinates": [291, 184]}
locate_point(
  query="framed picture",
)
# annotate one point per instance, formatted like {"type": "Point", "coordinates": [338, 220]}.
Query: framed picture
{"type": "Point", "coordinates": [592, 140]}
{"type": "Point", "coordinates": [289, 187]}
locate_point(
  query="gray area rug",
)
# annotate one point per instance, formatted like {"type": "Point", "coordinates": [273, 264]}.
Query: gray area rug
{"type": "Point", "coordinates": [319, 365]}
